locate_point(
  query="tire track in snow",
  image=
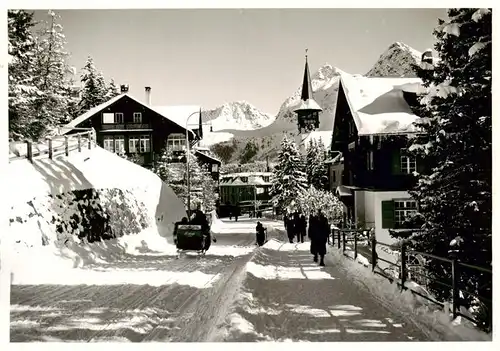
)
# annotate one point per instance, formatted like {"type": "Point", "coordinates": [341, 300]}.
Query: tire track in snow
{"type": "Point", "coordinates": [133, 303]}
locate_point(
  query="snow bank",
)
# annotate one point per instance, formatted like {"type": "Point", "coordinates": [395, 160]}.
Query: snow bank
{"type": "Point", "coordinates": [90, 207]}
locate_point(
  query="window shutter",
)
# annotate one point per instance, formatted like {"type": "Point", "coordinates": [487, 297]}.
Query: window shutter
{"type": "Point", "coordinates": [396, 161]}
{"type": "Point", "coordinates": [387, 214]}
{"type": "Point", "coordinates": [420, 166]}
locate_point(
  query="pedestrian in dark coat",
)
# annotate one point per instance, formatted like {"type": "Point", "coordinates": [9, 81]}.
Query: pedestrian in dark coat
{"type": "Point", "coordinates": [321, 236]}
{"type": "Point", "coordinates": [290, 228]}
{"type": "Point", "coordinates": [302, 229]}
{"type": "Point", "coordinates": [201, 219]}
{"type": "Point", "coordinates": [260, 233]}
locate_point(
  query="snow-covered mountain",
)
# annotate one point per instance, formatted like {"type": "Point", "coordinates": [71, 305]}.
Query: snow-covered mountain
{"type": "Point", "coordinates": [238, 115]}
{"type": "Point", "coordinates": [396, 61]}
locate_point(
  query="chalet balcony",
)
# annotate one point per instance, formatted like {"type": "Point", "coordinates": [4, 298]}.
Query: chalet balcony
{"type": "Point", "coordinates": [127, 126]}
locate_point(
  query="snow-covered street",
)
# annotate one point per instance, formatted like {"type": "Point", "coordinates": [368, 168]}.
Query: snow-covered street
{"type": "Point", "coordinates": [237, 292]}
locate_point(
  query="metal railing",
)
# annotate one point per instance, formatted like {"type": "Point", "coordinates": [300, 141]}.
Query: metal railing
{"type": "Point", "coordinates": [51, 146]}
{"type": "Point", "coordinates": [405, 273]}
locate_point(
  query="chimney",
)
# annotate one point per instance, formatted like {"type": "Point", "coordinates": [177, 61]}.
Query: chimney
{"type": "Point", "coordinates": [124, 88]}
{"type": "Point", "coordinates": [148, 95]}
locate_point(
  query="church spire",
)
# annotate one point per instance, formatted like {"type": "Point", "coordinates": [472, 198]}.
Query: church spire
{"type": "Point", "coordinates": [307, 91]}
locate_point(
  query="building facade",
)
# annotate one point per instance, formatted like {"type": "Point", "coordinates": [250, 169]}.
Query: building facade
{"type": "Point", "coordinates": [373, 121]}
{"type": "Point", "coordinates": [128, 126]}
{"type": "Point", "coordinates": [248, 190]}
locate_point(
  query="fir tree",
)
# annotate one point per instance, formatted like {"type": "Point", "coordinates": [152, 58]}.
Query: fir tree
{"type": "Point", "coordinates": [23, 91]}
{"type": "Point", "coordinates": [454, 196]}
{"type": "Point", "coordinates": [112, 90]}
{"type": "Point", "coordinates": [316, 170]}
{"type": "Point", "coordinates": [289, 179]}
{"type": "Point", "coordinates": [201, 183]}
{"type": "Point", "coordinates": [94, 89]}
{"type": "Point", "coordinates": [52, 76]}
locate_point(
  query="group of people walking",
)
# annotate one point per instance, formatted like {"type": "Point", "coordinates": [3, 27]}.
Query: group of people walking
{"type": "Point", "coordinates": [318, 232]}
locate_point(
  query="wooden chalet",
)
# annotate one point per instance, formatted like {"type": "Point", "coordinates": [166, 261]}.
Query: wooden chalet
{"type": "Point", "coordinates": [127, 125]}
{"type": "Point", "coordinates": [373, 171]}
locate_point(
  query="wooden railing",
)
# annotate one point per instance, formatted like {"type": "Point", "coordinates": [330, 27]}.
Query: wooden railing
{"type": "Point", "coordinates": [51, 146]}
{"type": "Point", "coordinates": [405, 271]}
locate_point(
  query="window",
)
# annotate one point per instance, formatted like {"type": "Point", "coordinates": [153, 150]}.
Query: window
{"type": "Point", "coordinates": [145, 144]}
{"type": "Point", "coordinates": [408, 164]}
{"type": "Point", "coordinates": [215, 167]}
{"type": "Point", "coordinates": [402, 209]}
{"type": "Point", "coordinates": [266, 179]}
{"type": "Point", "coordinates": [133, 144]}
{"type": "Point", "coordinates": [119, 144]}
{"type": "Point", "coordinates": [137, 117]}
{"type": "Point", "coordinates": [118, 117]}
{"type": "Point", "coordinates": [108, 143]}
{"type": "Point", "coordinates": [108, 118]}
{"type": "Point", "coordinates": [176, 141]}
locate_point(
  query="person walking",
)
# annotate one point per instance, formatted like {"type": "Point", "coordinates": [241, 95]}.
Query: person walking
{"type": "Point", "coordinates": [290, 228]}
{"type": "Point", "coordinates": [302, 228]}
{"type": "Point", "coordinates": [260, 233]}
{"type": "Point", "coordinates": [322, 234]}
{"type": "Point", "coordinates": [313, 227]}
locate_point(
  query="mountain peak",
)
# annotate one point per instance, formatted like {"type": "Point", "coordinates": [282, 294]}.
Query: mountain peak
{"type": "Point", "coordinates": [396, 61]}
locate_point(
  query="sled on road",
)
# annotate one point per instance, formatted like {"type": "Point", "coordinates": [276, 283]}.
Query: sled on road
{"type": "Point", "coordinates": [190, 237]}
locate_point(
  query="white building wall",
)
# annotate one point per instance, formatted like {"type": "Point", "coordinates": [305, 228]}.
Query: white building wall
{"type": "Point", "coordinates": [370, 209]}
{"type": "Point", "coordinates": [381, 234]}
{"type": "Point", "coordinates": [369, 205]}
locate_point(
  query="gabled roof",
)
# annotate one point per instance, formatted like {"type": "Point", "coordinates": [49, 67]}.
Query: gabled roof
{"type": "Point", "coordinates": [172, 113]}
{"type": "Point", "coordinates": [378, 105]}
{"type": "Point", "coordinates": [208, 155]}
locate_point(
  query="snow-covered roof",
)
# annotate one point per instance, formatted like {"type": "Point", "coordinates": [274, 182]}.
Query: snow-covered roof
{"type": "Point", "coordinates": [247, 174]}
{"type": "Point", "coordinates": [209, 155]}
{"type": "Point", "coordinates": [172, 113]}
{"type": "Point", "coordinates": [378, 105]}
{"type": "Point", "coordinates": [180, 114]}
{"type": "Point", "coordinates": [309, 104]}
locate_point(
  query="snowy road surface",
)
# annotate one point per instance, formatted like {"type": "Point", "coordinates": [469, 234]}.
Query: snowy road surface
{"type": "Point", "coordinates": [186, 306]}
{"type": "Point", "coordinates": [286, 296]}
{"type": "Point", "coordinates": [237, 292]}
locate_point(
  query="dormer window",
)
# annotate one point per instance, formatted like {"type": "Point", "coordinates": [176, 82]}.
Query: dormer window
{"type": "Point", "coordinates": [137, 117]}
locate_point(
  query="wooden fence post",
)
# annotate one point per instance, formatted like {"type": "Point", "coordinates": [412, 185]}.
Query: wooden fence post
{"type": "Point", "coordinates": [29, 151]}
{"type": "Point", "coordinates": [374, 253]}
{"type": "Point", "coordinates": [338, 239]}
{"type": "Point", "coordinates": [333, 236]}
{"type": "Point", "coordinates": [355, 245]}
{"type": "Point", "coordinates": [79, 138]}
{"type": "Point", "coordinates": [454, 284]}
{"type": "Point", "coordinates": [89, 135]}
{"type": "Point", "coordinates": [51, 152]}
{"type": "Point", "coordinates": [403, 265]}
{"type": "Point", "coordinates": [66, 145]}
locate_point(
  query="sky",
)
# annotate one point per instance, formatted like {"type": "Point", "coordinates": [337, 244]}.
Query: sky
{"type": "Point", "coordinates": [207, 57]}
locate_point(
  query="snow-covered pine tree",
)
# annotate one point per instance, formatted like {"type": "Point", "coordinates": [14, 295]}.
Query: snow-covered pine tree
{"type": "Point", "coordinates": [454, 197]}
{"type": "Point", "coordinates": [52, 76]}
{"type": "Point", "coordinates": [201, 182]}
{"type": "Point", "coordinates": [112, 90]}
{"type": "Point", "coordinates": [314, 199]}
{"type": "Point", "coordinates": [23, 91]}
{"type": "Point", "coordinates": [93, 87]}
{"type": "Point", "coordinates": [289, 179]}
{"type": "Point", "coordinates": [316, 170]}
